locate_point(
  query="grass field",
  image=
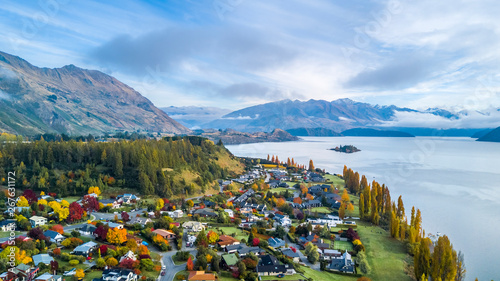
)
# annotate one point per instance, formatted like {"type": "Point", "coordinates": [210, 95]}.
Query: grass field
{"type": "Point", "coordinates": [385, 255]}
{"type": "Point", "coordinates": [178, 262]}
{"type": "Point", "coordinates": [324, 210]}
{"type": "Point", "coordinates": [280, 190]}
{"type": "Point", "coordinates": [342, 245]}
{"type": "Point", "coordinates": [228, 230]}
{"type": "Point", "coordinates": [337, 182]}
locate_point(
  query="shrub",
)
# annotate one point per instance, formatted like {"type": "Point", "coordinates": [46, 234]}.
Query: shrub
{"type": "Point", "coordinates": [74, 262]}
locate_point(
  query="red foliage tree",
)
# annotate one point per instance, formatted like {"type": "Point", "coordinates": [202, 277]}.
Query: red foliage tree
{"type": "Point", "coordinates": [129, 263]}
{"type": "Point", "coordinates": [90, 203]}
{"type": "Point", "coordinates": [36, 233]}
{"type": "Point", "coordinates": [56, 251]}
{"type": "Point", "coordinates": [103, 249]}
{"type": "Point", "coordinates": [125, 216]}
{"type": "Point", "coordinates": [30, 196]}
{"type": "Point", "coordinates": [75, 212]}
{"type": "Point", "coordinates": [57, 228]}
{"type": "Point", "coordinates": [189, 265]}
{"type": "Point", "coordinates": [255, 242]}
{"type": "Point", "coordinates": [101, 232]}
{"type": "Point", "coordinates": [54, 265]}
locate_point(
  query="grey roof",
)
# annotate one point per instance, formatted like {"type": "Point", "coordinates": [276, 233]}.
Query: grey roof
{"type": "Point", "coordinates": [45, 258]}
{"type": "Point", "coordinates": [343, 264]}
{"type": "Point", "coordinates": [85, 247]}
{"type": "Point", "coordinates": [51, 233]}
{"type": "Point", "coordinates": [88, 228]}
{"type": "Point", "coordinates": [289, 253]}
{"type": "Point", "coordinates": [247, 250]}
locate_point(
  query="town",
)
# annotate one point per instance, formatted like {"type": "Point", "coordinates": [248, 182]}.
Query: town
{"type": "Point", "coordinates": [267, 223]}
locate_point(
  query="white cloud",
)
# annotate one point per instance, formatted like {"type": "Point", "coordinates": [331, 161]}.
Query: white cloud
{"type": "Point", "coordinates": [473, 119]}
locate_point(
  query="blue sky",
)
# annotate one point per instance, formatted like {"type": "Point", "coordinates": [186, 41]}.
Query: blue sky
{"type": "Point", "coordinates": [236, 53]}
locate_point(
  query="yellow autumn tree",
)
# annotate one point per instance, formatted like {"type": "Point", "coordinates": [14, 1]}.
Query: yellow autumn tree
{"type": "Point", "coordinates": [116, 236]}
{"type": "Point", "coordinates": [64, 203]}
{"type": "Point", "coordinates": [94, 189]}
{"type": "Point", "coordinates": [159, 204]}
{"type": "Point", "coordinates": [79, 274]}
{"type": "Point", "coordinates": [345, 197]}
{"type": "Point", "coordinates": [42, 193]}
{"type": "Point", "coordinates": [20, 255]}
{"type": "Point", "coordinates": [42, 202]}
{"type": "Point", "coordinates": [22, 202]}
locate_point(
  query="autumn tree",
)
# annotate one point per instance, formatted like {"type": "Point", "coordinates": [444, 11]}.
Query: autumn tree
{"type": "Point", "coordinates": [422, 258]}
{"type": "Point", "coordinates": [22, 202]}
{"type": "Point", "coordinates": [116, 236]}
{"type": "Point", "coordinates": [297, 200]}
{"type": "Point", "coordinates": [94, 189]}
{"type": "Point", "coordinates": [311, 166]}
{"type": "Point", "coordinates": [189, 264]}
{"type": "Point", "coordinates": [90, 204]}
{"type": "Point", "coordinates": [444, 260]}
{"type": "Point", "coordinates": [75, 212]}
{"type": "Point", "coordinates": [212, 237]}
{"type": "Point", "coordinates": [79, 274]}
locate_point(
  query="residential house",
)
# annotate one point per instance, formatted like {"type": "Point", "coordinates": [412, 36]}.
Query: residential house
{"type": "Point", "coordinates": [276, 242]}
{"type": "Point", "coordinates": [201, 276]}
{"type": "Point", "coordinates": [229, 260]}
{"type": "Point", "coordinates": [229, 212]}
{"type": "Point", "coordinates": [209, 204]}
{"type": "Point", "coordinates": [128, 198]}
{"type": "Point", "coordinates": [85, 249]}
{"type": "Point", "coordinates": [244, 197]}
{"type": "Point", "coordinates": [128, 255]}
{"type": "Point", "coordinates": [21, 272]}
{"type": "Point", "coordinates": [205, 212]}
{"type": "Point", "coordinates": [270, 266]}
{"type": "Point", "coordinates": [289, 253]}
{"type": "Point", "coordinates": [313, 238]}
{"type": "Point", "coordinates": [283, 220]}
{"type": "Point", "coordinates": [316, 190]}
{"type": "Point", "coordinates": [113, 203]}
{"type": "Point", "coordinates": [256, 250]}
{"type": "Point", "coordinates": [8, 225]}
{"type": "Point", "coordinates": [55, 237]}
{"type": "Point", "coordinates": [37, 221]}
{"type": "Point", "coordinates": [87, 229]}
{"type": "Point", "coordinates": [117, 275]}
{"type": "Point", "coordinates": [312, 203]}
{"type": "Point", "coordinates": [135, 238]}
{"type": "Point", "coordinates": [114, 225]}
{"type": "Point", "coordinates": [166, 234]}
{"type": "Point", "coordinates": [344, 264]}
{"type": "Point", "coordinates": [140, 220]}
{"type": "Point", "coordinates": [259, 208]}
{"type": "Point", "coordinates": [329, 254]}
{"type": "Point", "coordinates": [225, 240]}
{"type": "Point", "coordinates": [231, 249]}
{"type": "Point", "coordinates": [195, 226]}
{"type": "Point", "coordinates": [48, 277]}
{"type": "Point", "coordinates": [176, 214]}
{"type": "Point", "coordinates": [42, 258]}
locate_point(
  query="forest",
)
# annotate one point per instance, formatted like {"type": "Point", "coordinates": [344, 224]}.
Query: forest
{"type": "Point", "coordinates": [148, 166]}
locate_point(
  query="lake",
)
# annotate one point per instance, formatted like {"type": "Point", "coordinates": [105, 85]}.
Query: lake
{"type": "Point", "coordinates": [455, 182]}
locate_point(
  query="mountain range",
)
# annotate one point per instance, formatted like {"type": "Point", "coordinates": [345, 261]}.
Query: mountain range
{"type": "Point", "coordinates": [73, 100]}
{"type": "Point", "coordinates": [325, 118]}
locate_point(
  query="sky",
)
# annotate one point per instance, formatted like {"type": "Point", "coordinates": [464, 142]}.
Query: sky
{"type": "Point", "coordinates": [237, 53]}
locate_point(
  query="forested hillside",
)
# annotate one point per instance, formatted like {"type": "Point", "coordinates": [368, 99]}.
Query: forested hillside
{"type": "Point", "coordinates": [148, 166]}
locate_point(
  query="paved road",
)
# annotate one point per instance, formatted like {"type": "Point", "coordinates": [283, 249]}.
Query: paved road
{"type": "Point", "coordinates": [302, 257]}
{"type": "Point", "coordinates": [171, 268]}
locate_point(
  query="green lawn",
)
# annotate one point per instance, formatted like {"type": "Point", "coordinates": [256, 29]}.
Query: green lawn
{"type": "Point", "coordinates": [337, 182]}
{"type": "Point", "coordinates": [343, 245]}
{"type": "Point", "coordinates": [324, 210]}
{"type": "Point", "coordinates": [385, 255]}
{"type": "Point", "coordinates": [280, 190]}
{"type": "Point", "coordinates": [324, 275]}
{"type": "Point", "coordinates": [287, 277]}
{"type": "Point", "coordinates": [71, 199]}
{"type": "Point", "coordinates": [228, 230]}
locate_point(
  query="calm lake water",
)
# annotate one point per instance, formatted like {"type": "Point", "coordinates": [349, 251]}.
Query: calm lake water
{"type": "Point", "coordinates": [455, 182]}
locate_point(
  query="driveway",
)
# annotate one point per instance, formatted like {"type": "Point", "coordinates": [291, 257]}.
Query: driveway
{"type": "Point", "coordinates": [302, 257]}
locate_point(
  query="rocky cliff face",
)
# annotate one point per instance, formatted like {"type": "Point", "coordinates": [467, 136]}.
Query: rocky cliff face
{"type": "Point", "coordinates": [72, 100]}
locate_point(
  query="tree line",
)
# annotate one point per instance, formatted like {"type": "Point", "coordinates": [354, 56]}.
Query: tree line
{"type": "Point", "coordinates": [150, 166]}
{"type": "Point", "coordinates": [432, 261]}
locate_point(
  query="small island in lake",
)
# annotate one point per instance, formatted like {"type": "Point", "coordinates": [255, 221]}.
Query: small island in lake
{"type": "Point", "coordinates": [346, 149]}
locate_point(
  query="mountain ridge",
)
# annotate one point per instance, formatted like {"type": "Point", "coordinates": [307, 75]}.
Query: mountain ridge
{"type": "Point", "coordinates": [73, 100]}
